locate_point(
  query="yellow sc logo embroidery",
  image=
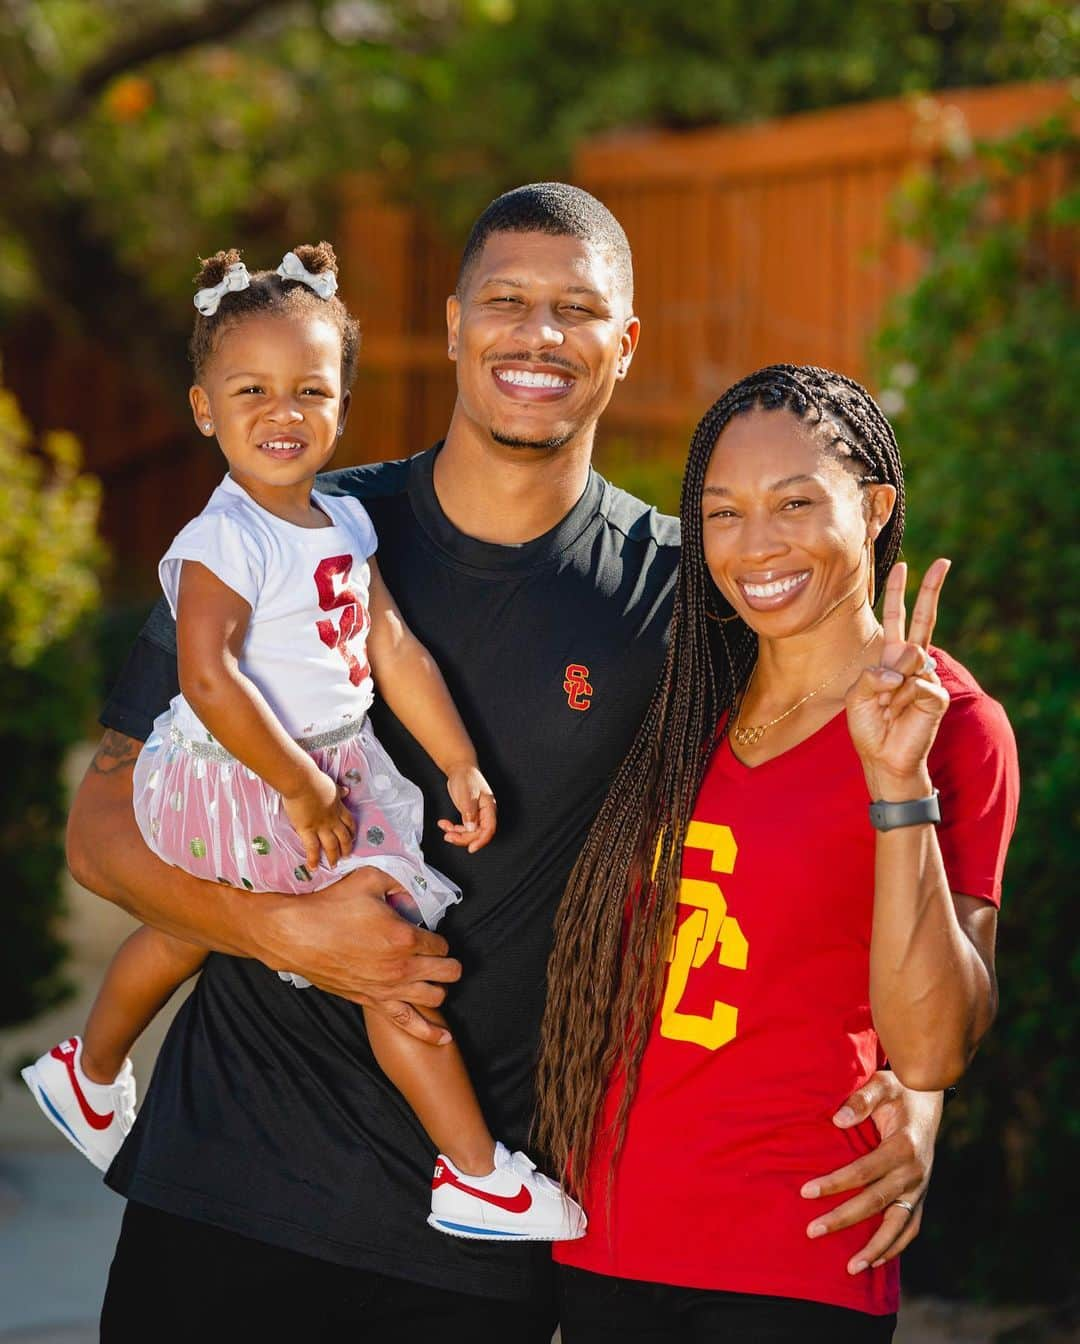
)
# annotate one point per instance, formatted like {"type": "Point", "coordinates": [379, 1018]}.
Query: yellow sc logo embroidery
{"type": "Point", "coordinates": [707, 930]}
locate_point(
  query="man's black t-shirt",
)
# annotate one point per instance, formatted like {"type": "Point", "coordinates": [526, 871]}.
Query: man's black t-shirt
{"type": "Point", "coordinates": [267, 1114]}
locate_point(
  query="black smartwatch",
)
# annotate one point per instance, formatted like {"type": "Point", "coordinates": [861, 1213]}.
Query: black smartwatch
{"type": "Point", "coordinates": [916, 812]}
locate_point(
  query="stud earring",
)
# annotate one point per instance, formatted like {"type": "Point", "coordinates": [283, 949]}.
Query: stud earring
{"type": "Point", "coordinates": [207, 425]}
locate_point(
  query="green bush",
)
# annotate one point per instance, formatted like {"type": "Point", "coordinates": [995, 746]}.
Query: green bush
{"type": "Point", "coordinates": [656, 480]}
{"type": "Point", "coordinates": [980, 373]}
{"type": "Point", "coordinates": [49, 557]}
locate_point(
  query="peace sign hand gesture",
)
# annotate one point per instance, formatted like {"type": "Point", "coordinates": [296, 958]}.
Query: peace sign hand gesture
{"type": "Point", "coordinates": [894, 709]}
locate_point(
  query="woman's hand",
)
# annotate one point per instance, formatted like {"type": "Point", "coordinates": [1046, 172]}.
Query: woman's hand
{"type": "Point", "coordinates": [898, 1169]}
{"type": "Point", "coordinates": [894, 709]}
{"type": "Point", "coordinates": [471, 795]}
{"type": "Point", "coordinates": [321, 820]}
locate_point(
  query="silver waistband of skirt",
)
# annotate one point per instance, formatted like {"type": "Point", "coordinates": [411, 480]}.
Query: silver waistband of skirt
{"type": "Point", "coordinates": [214, 751]}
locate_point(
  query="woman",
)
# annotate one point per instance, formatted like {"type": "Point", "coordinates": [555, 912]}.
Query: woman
{"type": "Point", "coordinates": [740, 943]}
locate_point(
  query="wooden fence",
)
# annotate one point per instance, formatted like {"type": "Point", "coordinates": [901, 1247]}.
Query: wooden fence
{"type": "Point", "coordinates": [397, 273]}
{"type": "Point", "coordinates": [750, 246]}
{"type": "Point", "coordinates": [774, 243]}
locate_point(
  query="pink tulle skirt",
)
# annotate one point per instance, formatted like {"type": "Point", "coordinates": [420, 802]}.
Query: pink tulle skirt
{"type": "Point", "coordinates": [201, 810]}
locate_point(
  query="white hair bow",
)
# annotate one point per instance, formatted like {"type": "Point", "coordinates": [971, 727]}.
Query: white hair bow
{"type": "Point", "coordinates": [324, 283]}
{"type": "Point", "coordinates": [234, 279]}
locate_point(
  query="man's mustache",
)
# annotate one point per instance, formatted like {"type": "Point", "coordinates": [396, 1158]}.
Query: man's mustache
{"type": "Point", "coordinates": [527, 357]}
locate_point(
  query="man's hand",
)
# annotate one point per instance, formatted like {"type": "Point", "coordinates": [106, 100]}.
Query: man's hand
{"type": "Point", "coordinates": [348, 941]}
{"type": "Point", "coordinates": [898, 1169]}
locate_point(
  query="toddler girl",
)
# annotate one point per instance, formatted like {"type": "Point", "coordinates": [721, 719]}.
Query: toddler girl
{"type": "Point", "coordinates": [264, 772]}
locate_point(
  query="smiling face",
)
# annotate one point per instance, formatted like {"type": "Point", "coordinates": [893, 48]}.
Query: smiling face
{"type": "Point", "coordinates": [272, 393]}
{"type": "Point", "coordinates": [785, 522]}
{"type": "Point", "coordinates": [541, 333]}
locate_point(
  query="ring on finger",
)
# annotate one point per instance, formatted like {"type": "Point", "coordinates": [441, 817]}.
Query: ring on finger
{"type": "Point", "coordinates": [929, 665]}
{"type": "Point", "coordinates": [905, 1205]}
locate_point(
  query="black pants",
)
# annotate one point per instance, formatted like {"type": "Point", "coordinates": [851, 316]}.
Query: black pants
{"type": "Point", "coordinates": [596, 1309]}
{"type": "Point", "coordinates": [176, 1280]}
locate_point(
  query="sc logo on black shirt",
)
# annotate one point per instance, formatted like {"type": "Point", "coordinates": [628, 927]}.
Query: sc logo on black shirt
{"type": "Point", "coordinates": [577, 687]}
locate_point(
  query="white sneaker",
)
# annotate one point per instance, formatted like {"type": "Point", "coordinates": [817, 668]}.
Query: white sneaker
{"type": "Point", "coordinates": [514, 1203]}
{"type": "Point", "coordinates": [95, 1117]}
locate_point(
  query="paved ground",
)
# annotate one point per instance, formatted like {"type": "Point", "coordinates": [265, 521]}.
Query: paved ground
{"type": "Point", "coordinates": [58, 1222]}
{"type": "Point", "coordinates": [55, 1239]}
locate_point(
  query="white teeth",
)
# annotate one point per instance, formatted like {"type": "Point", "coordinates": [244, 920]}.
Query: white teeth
{"type": "Point", "coordinates": [775, 588]}
{"type": "Point", "coordinates": [525, 378]}
{"type": "Point", "coordinates": [281, 445]}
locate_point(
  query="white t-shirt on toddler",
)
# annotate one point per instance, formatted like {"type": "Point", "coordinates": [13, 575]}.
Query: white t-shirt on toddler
{"type": "Point", "coordinates": [305, 647]}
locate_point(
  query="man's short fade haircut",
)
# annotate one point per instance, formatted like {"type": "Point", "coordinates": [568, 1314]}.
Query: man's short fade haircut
{"type": "Point", "coordinates": [561, 210]}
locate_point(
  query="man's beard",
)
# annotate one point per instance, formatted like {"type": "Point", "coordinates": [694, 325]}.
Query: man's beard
{"type": "Point", "coordinates": [541, 445]}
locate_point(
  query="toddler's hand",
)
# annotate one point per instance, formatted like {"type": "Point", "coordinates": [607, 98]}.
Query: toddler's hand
{"type": "Point", "coordinates": [322, 821]}
{"type": "Point", "coordinates": [472, 796]}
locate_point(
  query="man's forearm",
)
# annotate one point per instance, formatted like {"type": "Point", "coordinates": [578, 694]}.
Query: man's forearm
{"type": "Point", "coordinates": [107, 854]}
{"type": "Point", "coordinates": [344, 937]}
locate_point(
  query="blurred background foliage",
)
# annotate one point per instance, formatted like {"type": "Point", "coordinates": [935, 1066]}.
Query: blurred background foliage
{"type": "Point", "coordinates": [49, 562]}
{"type": "Point", "coordinates": [134, 137]}
{"type": "Point", "coordinates": [980, 371]}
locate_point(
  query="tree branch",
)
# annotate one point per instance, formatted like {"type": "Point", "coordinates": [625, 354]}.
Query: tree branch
{"type": "Point", "coordinates": [162, 39]}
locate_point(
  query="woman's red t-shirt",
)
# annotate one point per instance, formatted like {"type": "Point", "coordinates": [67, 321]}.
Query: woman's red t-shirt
{"type": "Point", "coordinates": [765, 1025]}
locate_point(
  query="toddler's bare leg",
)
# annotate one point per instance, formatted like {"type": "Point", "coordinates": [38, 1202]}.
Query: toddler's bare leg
{"type": "Point", "coordinates": [434, 1081]}
{"type": "Point", "coordinates": [148, 969]}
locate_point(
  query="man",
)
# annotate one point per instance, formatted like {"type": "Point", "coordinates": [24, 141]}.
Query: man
{"type": "Point", "coordinates": [275, 1179]}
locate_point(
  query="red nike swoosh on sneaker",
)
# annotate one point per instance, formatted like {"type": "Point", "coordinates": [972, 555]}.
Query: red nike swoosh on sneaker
{"type": "Point", "coordinates": [93, 1118]}
{"type": "Point", "coordinates": [518, 1203]}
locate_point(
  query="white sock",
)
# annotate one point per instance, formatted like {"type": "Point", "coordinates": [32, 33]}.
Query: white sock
{"type": "Point", "coordinates": [488, 1176]}
{"type": "Point", "coordinates": [101, 1091]}
{"type": "Point", "coordinates": [484, 1181]}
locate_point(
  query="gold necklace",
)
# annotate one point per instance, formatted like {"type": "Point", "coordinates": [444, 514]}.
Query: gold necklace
{"type": "Point", "coordinates": [747, 737]}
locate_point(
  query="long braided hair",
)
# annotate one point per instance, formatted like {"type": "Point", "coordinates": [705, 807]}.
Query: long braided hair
{"type": "Point", "coordinates": [616, 921]}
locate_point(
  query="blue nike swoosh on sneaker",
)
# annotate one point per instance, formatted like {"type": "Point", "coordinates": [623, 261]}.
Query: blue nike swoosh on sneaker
{"type": "Point", "coordinates": [60, 1119]}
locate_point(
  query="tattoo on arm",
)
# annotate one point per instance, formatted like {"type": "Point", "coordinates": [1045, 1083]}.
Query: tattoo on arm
{"type": "Point", "coordinates": [116, 752]}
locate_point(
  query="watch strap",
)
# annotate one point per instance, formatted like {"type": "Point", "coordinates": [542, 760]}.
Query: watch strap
{"type": "Point", "coordinates": [915, 812]}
